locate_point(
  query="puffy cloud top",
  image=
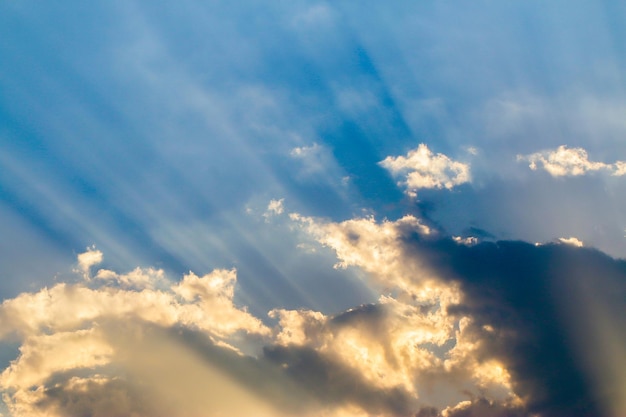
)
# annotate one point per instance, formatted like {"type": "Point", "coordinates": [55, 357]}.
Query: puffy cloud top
{"type": "Point", "coordinates": [459, 329]}
{"type": "Point", "coordinates": [422, 168]}
{"type": "Point", "coordinates": [564, 161]}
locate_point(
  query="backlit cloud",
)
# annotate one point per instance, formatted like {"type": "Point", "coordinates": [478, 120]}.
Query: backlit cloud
{"type": "Point", "coordinates": [571, 241]}
{"type": "Point", "coordinates": [73, 336]}
{"type": "Point", "coordinates": [421, 168]}
{"type": "Point", "coordinates": [514, 339]}
{"type": "Point", "coordinates": [88, 259]}
{"type": "Point", "coordinates": [459, 329]}
{"type": "Point", "coordinates": [272, 241]}
{"type": "Point", "coordinates": [564, 161]}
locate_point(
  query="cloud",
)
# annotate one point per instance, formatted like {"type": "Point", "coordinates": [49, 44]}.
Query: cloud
{"type": "Point", "coordinates": [75, 338]}
{"type": "Point", "coordinates": [482, 329]}
{"type": "Point", "coordinates": [275, 207]}
{"type": "Point", "coordinates": [88, 259]}
{"type": "Point", "coordinates": [393, 342]}
{"type": "Point", "coordinates": [423, 169]}
{"type": "Point", "coordinates": [305, 151]}
{"type": "Point", "coordinates": [374, 247]}
{"type": "Point", "coordinates": [571, 241]}
{"type": "Point", "coordinates": [138, 344]}
{"type": "Point", "coordinates": [522, 321]}
{"type": "Point", "coordinates": [517, 297]}
{"type": "Point", "coordinates": [565, 161]}
{"type": "Point", "coordinates": [155, 371]}
{"type": "Point", "coordinates": [315, 161]}
{"type": "Point", "coordinates": [482, 407]}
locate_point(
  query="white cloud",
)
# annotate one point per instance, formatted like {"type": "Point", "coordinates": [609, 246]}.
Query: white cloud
{"type": "Point", "coordinates": [571, 241]}
{"type": "Point", "coordinates": [422, 168]}
{"type": "Point", "coordinates": [564, 161]}
{"type": "Point", "coordinates": [371, 246]}
{"type": "Point", "coordinates": [469, 241]}
{"type": "Point", "coordinates": [275, 207]}
{"type": "Point", "coordinates": [305, 151]}
{"type": "Point", "coordinates": [619, 168]}
{"type": "Point", "coordinates": [43, 355]}
{"type": "Point", "coordinates": [137, 278]}
{"type": "Point", "coordinates": [88, 259]}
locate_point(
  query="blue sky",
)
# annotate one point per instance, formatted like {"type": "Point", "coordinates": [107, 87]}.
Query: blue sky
{"type": "Point", "coordinates": [332, 154]}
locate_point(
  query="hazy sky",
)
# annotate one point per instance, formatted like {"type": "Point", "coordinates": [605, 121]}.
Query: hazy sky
{"type": "Point", "coordinates": [313, 208]}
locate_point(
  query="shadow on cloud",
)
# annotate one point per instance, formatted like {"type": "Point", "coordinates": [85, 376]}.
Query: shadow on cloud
{"type": "Point", "coordinates": [494, 329]}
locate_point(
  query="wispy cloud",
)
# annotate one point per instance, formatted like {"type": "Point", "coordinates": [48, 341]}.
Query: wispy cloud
{"type": "Point", "coordinates": [571, 162]}
{"type": "Point", "coordinates": [274, 208]}
{"type": "Point", "coordinates": [421, 168]}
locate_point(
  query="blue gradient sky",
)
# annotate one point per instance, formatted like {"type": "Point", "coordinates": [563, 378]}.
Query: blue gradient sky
{"type": "Point", "coordinates": [159, 132]}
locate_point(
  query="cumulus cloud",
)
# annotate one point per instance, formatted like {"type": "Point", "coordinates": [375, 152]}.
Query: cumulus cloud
{"type": "Point", "coordinates": [72, 336]}
{"type": "Point", "coordinates": [413, 319]}
{"type": "Point", "coordinates": [460, 328]}
{"type": "Point", "coordinates": [374, 247]}
{"type": "Point", "coordinates": [517, 336]}
{"type": "Point", "coordinates": [421, 168]}
{"type": "Point", "coordinates": [565, 161]}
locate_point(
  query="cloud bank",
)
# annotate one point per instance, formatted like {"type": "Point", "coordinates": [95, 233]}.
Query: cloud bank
{"type": "Point", "coordinates": [459, 329]}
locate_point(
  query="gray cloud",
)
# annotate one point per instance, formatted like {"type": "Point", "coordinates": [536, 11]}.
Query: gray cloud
{"type": "Point", "coordinates": [484, 408]}
{"type": "Point", "coordinates": [491, 329]}
{"type": "Point", "coordinates": [334, 384]}
{"type": "Point", "coordinates": [550, 314]}
{"type": "Point", "coordinates": [519, 296]}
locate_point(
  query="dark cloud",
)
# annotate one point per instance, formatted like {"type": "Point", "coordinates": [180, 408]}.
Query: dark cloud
{"type": "Point", "coordinates": [427, 412]}
{"type": "Point", "coordinates": [369, 314]}
{"type": "Point", "coordinates": [97, 397]}
{"type": "Point", "coordinates": [522, 299]}
{"type": "Point", "coordinates": [477, 232]}
{"type": "Point", "coordinates": [480, 407]}
{"type": "Point", "coordinates": [485, 408]}
{"type": "Point", "coordinates": [293, 379]}
{"type": "Point", "coordinates": [151, 377]}
{"type": "Point", "coordinates": [332, 383]}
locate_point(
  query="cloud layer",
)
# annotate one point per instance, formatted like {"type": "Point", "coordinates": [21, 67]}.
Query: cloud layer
{"type": "Point", "coordinates": [460, 329]}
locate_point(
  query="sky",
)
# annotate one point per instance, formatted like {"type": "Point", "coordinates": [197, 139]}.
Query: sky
{"type": "Point", "coordinates": [311, 208]}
